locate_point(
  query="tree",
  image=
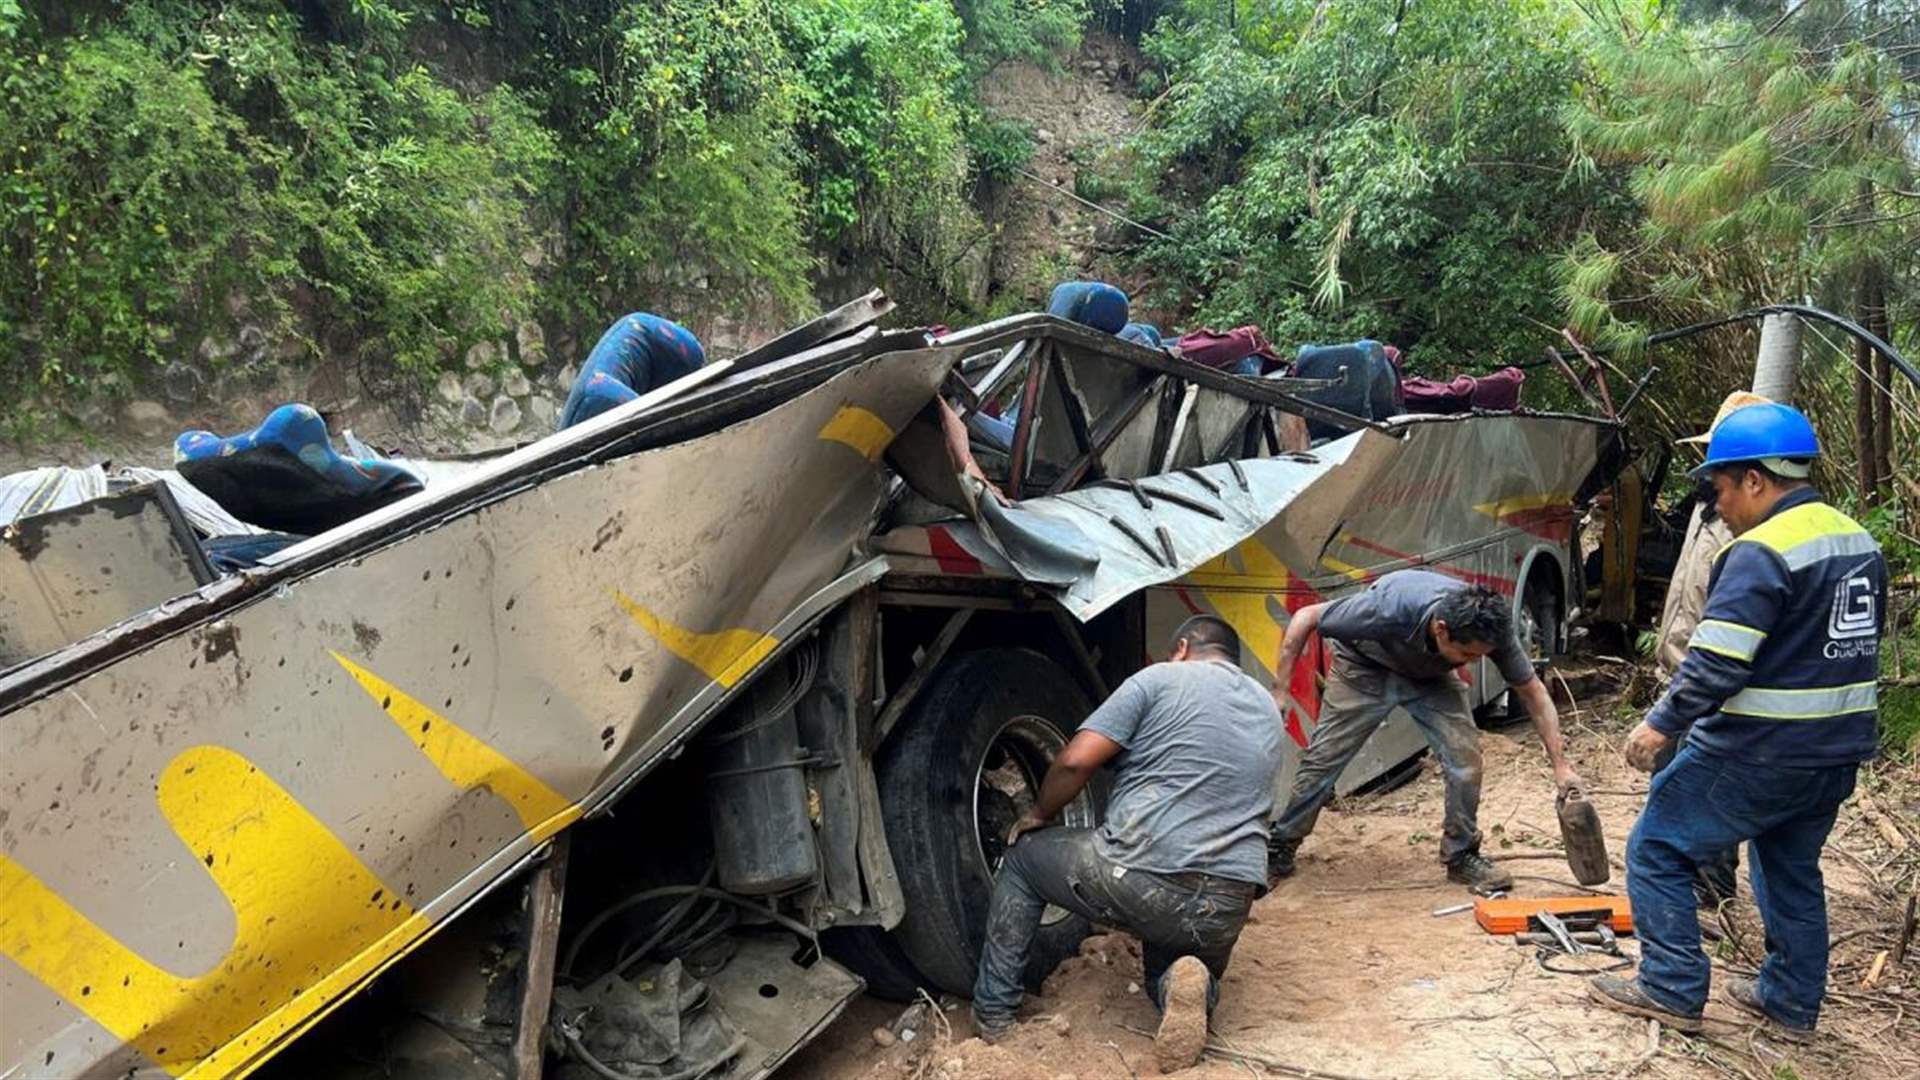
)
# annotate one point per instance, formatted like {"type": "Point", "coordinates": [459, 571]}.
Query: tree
{"type": "Point", "coordinates": [1380, 168]}
{"type": "Point", "coordinates": [1771, 162]}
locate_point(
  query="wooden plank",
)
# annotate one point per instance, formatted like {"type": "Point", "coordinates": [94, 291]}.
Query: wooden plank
{"type": "Point", "coordinates": [540, 942]}
{"type": "Point", "coordinates": [903, 697]}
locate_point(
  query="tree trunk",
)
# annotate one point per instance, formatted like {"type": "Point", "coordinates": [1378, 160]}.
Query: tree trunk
{"type": "Point", "coordinates": [1872, 438]}
{"type": "Point", "coordinates": [1883, 403]}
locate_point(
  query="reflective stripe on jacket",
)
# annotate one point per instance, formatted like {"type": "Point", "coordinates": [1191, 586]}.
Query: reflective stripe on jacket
{"type": "Point", "coordinates": [1781, 669]}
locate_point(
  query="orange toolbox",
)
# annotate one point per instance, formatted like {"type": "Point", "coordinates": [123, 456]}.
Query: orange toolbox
{"type": "Point", "coordinates": [1514, 914]}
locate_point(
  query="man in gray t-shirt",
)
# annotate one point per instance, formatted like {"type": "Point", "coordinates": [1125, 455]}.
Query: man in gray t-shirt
{"type": "Point", "coordinates": [1194, 744]}
{"type": "Point", "coordinates": [1400, 644]}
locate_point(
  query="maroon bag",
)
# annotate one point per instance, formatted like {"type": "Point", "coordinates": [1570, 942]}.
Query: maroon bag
{"type": "Point", "coordinates": [1224, 349]}
{"type": "Point", "coordinates": [1499, 391]}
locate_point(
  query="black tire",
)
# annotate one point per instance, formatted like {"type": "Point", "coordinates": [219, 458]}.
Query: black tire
{"type": "Point", "coordinates": [875, 956]}
{"type": "Point", "coordinates": [997, 714]}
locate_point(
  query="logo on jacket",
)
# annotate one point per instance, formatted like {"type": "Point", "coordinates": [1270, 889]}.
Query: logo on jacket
{"type": "Point", "coordinates": [1853, 617]}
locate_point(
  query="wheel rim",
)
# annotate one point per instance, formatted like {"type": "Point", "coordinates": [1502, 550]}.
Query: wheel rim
{"type": "Point", "coordinates": [1530, 632]}
{"type": "Point", "coordinates": [1006, 783]}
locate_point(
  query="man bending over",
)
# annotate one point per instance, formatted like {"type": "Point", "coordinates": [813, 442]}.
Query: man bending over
{"type": "Point", "coordinates": [1400, 643]}
{"type": "Point", "coordinates": [1194, 742]}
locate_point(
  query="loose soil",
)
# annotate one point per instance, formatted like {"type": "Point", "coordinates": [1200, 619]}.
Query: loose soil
{"type": "Point", "coordinates": [1344, 969]}
{"type": "Point", "coordinates": [1077, 113]}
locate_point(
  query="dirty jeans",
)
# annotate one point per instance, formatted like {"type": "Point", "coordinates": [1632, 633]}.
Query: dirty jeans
{"type": "Point", "coordinates": [1172, 915]}
{"type": "Point", "coordinates": [1356, 702]}
{"type": "Point", "coordinates": [1697, 808]}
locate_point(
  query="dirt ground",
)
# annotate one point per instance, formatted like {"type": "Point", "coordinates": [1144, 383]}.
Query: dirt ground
{"type": "Point", "coordinates": [1345, 973]}
{"type": "Point", "coordinates": [1077, 114]}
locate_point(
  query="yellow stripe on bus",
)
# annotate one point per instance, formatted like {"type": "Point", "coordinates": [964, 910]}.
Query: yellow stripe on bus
{"type": "Point", "coordinates": [859, 429]}
{"type": "Point", "coordinates": [725, 656]}
{"type": "Point", "coordinates": [460, 756]}
{"type": "Point", "coordinates": [305, 909]}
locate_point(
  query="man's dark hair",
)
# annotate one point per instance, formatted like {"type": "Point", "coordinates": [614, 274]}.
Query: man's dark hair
{"type": "Point", "coordinates": [1475, 614]}
{"type": "Point", "coordinates": [1208, 632]}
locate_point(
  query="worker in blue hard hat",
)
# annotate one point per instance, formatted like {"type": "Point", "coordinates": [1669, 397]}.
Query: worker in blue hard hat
{"type": "Point", "coordinates": [1778, 689]}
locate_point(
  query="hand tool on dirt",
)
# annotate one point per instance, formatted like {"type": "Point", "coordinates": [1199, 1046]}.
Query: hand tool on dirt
{"type": "Point", "coordinates": [1557, 930]}
{"type": "Point", "coordinates": [1517, 915]}
{"type": "Point", "coordinates": [1583, 937]}
{"type": "Point", "coordinates": [1455, 909]}
{"type": "Point", "coordinates": [1562, 926]}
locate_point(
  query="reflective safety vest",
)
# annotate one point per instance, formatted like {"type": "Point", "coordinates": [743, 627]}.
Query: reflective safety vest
{"type": "Point", "coordinates": [1781, 669]}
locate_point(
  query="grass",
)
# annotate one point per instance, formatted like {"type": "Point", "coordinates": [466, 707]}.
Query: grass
{"type": "Point", "coordinates": [1900, 705]}
{"type": "Point", "coordinates": [1900, 721]}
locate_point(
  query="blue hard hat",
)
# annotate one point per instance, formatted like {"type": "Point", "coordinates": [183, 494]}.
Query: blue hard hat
{"type": "Point", "coordinates": [1760, 433]}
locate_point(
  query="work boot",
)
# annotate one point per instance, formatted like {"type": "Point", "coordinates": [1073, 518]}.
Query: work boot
{"type": "Point", "coordinates": [1183, 1019]}
{"type": "Point", "coordinates": [991, 1028]}
{"type": "Point", "coordinates": [1625, 996]}
{"type": "Point", "coordinates": [1280, 855]}
{"type": "Point", "coordinates": [1745, 993]}
{"type": "Point", "coordinates": [1478, 874]}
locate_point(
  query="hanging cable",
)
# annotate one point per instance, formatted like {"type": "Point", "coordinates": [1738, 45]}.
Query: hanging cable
{"type": "Point", "coordinates": [1091, 205]}
{"type": "Point", "coordinates": [1803, 311]}
{"type": "Point", "coordinates": [606, 916]}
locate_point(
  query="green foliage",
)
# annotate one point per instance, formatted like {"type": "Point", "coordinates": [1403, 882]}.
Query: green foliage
{"type": "Point", "coordinates": [1033, 30]}
{"type": "Point", "coordinates": [383, 182]}
{"type": "Point", "coordinates": [878, 107]}
{"type": "Point", "coordinates": [1900, 718]}
{"type": "Point", "coordinates": [179, 170]}
{"type": "Point", "coordinates": [125, 199]}
{"type": "Point", "coordinates": [676, 124]}
{"type": "Point", "coordinates": [1370, 168]}
{"type": "Point", "coordinates": [1756, 156]}
{"type": "Point", "coordinates": [998, 147]}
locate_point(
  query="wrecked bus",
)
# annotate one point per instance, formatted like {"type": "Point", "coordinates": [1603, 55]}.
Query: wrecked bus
{"type": "Point", "coordinates": [746, 679]}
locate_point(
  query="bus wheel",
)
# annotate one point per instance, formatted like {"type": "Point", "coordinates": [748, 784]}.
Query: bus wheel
{"type": "Point", "coordinates": [965, 763]}
{"type": "Point", "coordinates": [1540, 618]}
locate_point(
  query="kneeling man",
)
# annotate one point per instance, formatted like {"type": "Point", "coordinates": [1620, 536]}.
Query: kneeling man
{"type": "Point", "coordinates": [1194, 743]}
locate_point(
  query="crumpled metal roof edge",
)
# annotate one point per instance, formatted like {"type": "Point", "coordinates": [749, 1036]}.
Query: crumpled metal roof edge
{"type": "Point", "coordinates": [1040, 540]}
{"type": "Point", "coordinates": [711, 398]}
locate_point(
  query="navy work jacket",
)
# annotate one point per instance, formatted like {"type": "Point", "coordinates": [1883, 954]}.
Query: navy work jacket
{"type": "Point", "coordinates": [1782, 668]}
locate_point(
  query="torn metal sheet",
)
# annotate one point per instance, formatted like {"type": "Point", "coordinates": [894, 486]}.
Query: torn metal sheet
{"type": "Point", "coordinates": [57, 487]}
{"type": "Point", "coordinates": [1489, 499]}
{"type": "Point", "coordinates": [1132, 536]}
{"type": "Point", "coordinates": [72, 572]}
{"type": "Point", "coordinates": [1340, 514]}
{"type": "Point", "coordinates": [412, 704]}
